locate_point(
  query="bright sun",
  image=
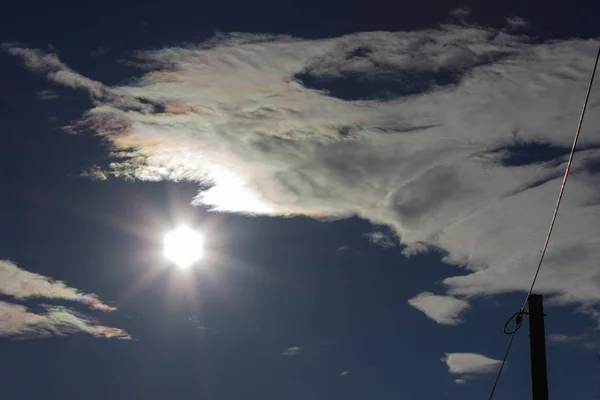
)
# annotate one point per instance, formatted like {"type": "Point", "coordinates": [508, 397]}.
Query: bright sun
{"type": "Point", "coordinates": [184, 246]}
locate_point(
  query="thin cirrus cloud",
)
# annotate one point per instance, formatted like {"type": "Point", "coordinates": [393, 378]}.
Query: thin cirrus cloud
{"type": "Point", "coordinates": [562, 338]}
{"type": "Point", "coordinates": [17, 321]}
{"type": "Point", "coordinates": [588, 340]}
{"type": "Point", "coordinates": [47, 95]}
{"type": "Point", "coordinates": [444, 310]}
{"type": "Point", "coordinates": [292, 351]}
{"type": "Point", "coordinates": [454, 137]}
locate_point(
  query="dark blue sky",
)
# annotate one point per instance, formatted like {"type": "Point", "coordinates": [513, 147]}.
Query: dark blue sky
{"type": "Point", "coordinates": [218, 332]}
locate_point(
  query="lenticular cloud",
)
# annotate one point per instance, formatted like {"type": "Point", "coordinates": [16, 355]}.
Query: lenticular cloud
{"type": "Point", "coordinates": [455, 137]}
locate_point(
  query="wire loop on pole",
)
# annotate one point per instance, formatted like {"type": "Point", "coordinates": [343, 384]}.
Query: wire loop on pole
{"type": "Point", "coordinates": [518, 323]}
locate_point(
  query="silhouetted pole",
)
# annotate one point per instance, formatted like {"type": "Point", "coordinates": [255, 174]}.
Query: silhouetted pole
{"type": "Point", "coordinates": [537, 343]}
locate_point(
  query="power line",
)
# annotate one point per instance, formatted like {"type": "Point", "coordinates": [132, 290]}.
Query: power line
{"type": "Point", "coordinates": [519, 314]}
{"type": "Point", "coordinates": [564, 181]}
{"type": "Point", "coordinates": [512, 337]}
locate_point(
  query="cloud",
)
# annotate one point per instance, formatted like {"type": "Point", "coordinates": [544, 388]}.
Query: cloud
{"type": "Point", "coordinates": [464, 379]}
{"type": "Point", "coordinates": [382, 239]}
{"type": "Point", "coordinates": [54, 69]}
{"type": "Point", "coordinates": [516, 23]}
{"type": "Point", "coordinates": [22, 284]}
{"type": "Point", "coordinates": [292, 351]}
{"type": "Point", "coordinates": [562, 338]}
{"type": "Point", "coordinates": [454, 137]}
{"type": "Point", "coordinates": [587, 340]}
{"type": "Point", "coordinates": [461, 13]}
{"type": "Point", "coordinates": [16, 321]}
{"type": "Point", "coordinates": [470, 363]}
{"type": "Point", "coordinates": [444, 310]}
{"type": "Point", "coordinates": [344, 374]}
{"type": "Point", "coordinates": [57, 72]}
{"type": "Point", "coordinates": [47, 95]}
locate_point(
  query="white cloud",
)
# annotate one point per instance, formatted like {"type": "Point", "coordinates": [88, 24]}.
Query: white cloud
{"type": "Point", "coordinates": [428, 161]}
{"type": "Point", "coordinates": [292, 351]}
{"type": "Point", "coordinates": [16, 321]}
{"type": "Point", "coordinates": [460, 381]}
{"type": "Point", "coordinates": [383, 239]}
{"type": "Point", "coordinates": [344, 374]}
{"type": "Point", "coordinates": [442, 309]}
{"type": "Point", "coordinates": [470, 363]}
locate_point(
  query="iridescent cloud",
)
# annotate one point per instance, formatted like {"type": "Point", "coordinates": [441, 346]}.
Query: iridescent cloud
{"type": "Point", "coordinates": [17, 321]}
{"type": "Point", "coordinates": [423, 131]}
{"type": "Point", "coordinates": [21, 284]}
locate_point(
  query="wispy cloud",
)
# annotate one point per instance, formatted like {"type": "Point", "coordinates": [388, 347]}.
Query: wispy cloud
{"type": "Point", "coordinates": [292, 351]}
{"type": "Point", "coordinates": [587, 340]}
{"type": "Point", "coordinates": [344, 374]}
{"type": "Point", "coordinates": [16, 321]}
{"type": "Point", "coordinates": [444, 310]}
{"type": "Point", "coordinates": [422, 131]}
{"type": "Point", "coordinates": [464, 379]}
{"type": "Point", "coordinates": [470, 363]}
{"type": "Point", "coordinates": [56, 71]}
{"type": "Point", "coordinates": [22, 284]}
{"type": "Point", "coordinates": [47, 95]}
{"type": "Point", "coordinates": [461, 13]}
{"type": "Point", "coordinates": [562, 338]}
{"type": "Point", "coordinates": [383, 239]}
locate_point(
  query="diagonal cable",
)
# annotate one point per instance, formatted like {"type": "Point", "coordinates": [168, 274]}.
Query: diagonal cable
{"type": "Point", "coordinates": [520, 313]}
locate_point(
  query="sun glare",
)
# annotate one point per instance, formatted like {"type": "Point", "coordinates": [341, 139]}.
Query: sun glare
{"type": "Point", "coordinates": [231, 194]}
{"type": "Point", "coordinates": [183, 246]}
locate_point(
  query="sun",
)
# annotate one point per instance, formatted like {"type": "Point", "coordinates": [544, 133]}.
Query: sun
{"type": "Point", "coordinates": [184, 246]}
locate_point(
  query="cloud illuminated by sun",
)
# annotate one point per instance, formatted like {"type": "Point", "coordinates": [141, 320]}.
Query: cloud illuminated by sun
{"type": "Point", "coordinates": [230, 194]}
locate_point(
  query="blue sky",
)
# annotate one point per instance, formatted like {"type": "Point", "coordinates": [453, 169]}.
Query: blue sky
{"type": "Point", "coordinates": [374, 185]}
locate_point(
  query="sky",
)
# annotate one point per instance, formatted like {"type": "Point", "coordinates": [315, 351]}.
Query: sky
{"type": "Point", "coordinates": [374, 183]}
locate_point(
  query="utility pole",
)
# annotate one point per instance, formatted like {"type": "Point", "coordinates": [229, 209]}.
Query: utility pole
{"type": "Point", "coordinates": [537, 344]}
